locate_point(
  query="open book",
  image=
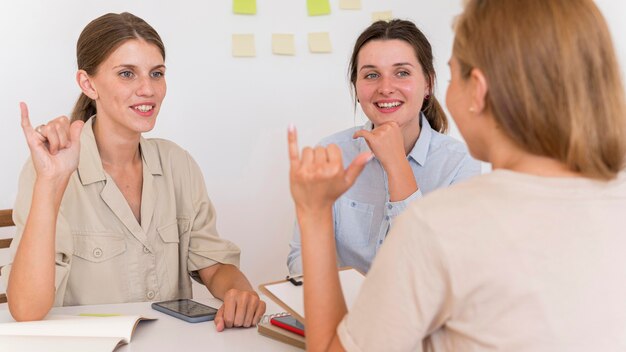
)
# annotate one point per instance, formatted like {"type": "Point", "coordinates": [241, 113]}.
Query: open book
{"type": "Point", "coordinates": [64, 333]}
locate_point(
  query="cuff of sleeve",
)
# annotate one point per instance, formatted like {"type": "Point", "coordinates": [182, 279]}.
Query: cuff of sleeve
{"type": "Point", "coordinates": [201, 260]}
{"type": "Point", "coordinates": [396, 208]}
{"type": "Point", "coordinates": [344, 336]}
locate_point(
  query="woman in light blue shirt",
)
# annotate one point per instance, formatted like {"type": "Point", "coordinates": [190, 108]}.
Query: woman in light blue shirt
{"type": "Point", "coordinates": [393, 77]}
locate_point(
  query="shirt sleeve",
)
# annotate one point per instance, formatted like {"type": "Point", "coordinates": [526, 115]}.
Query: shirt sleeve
{"type": "Point", "coordinates": [64, 241]}
{"type": "Point", "coordinates": [393, 209]}
{"type": "Point", "coordinates": [206, 247]}
{"type": "Point", "coordinates": [406, 294]}
{"type": "Point", "coordinates": [294, 260]}
{"type": "Point", "coordinates": [469, 167]}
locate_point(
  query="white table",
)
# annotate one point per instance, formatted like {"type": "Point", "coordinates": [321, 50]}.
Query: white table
{"type": "Point", "coordinates": [174, 335]}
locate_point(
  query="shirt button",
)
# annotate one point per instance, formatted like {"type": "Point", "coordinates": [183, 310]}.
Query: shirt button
{"type": "Point", "coordinates": [389, 206]}
{"type": "Point", "coordinates": [146, 250]}
{"type": "Point", "coordinates": [150, 294]}
{"type": "Point", "coordinates": [97, 252]}
{"type": "Point", "coordinates": [353, 204]}
{"type": "Point", "coordinates": [387, 217]}
{"type": "Point", "coordinates": [380, 241]}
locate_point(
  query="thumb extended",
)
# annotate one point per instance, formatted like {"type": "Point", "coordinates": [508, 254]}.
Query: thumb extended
{"type": "Point", "coordinates": [75, 129]}
{"type": "Point", "coordinates": [356, 167]}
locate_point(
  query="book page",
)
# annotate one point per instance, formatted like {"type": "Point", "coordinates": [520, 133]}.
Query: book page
{"type": "Point", "coordinates": [120, 327]}
{"type": "Point", "coordinates": [58, 343]}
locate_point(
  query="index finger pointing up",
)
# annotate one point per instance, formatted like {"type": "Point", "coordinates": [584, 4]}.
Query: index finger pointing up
{"type": "Point", "coordinates": [25, 120]}
{"type": "Point", "coordinates": [292, 140]}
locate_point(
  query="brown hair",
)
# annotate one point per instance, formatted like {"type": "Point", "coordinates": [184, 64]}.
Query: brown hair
{"type": "Point", "coordinates": [408, 32]}
{"type": "Point", "coordinates": [553, 77]}
{"type": "Point", "coordinates": [98, 40]}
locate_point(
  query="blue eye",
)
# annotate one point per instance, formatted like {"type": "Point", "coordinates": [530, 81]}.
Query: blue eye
{"type": "Point", "coordinates": [403, 74]}
{"type": "Point", "coordinates": [371, 75]}
{"type": "Point", "coordinates": [157, 74]}
{"type": "Point", "coordinates": [126, 74]}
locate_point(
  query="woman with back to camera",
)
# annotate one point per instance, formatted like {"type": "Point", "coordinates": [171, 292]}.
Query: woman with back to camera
{"type": "Point", "coordinates": [531, 257]}
{"type": "Point", "coordinates": [106, 216]}
{"type": "Point", "coordinates": [392, 74]}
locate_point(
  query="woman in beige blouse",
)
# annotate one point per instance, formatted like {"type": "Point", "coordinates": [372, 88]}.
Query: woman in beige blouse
{"type": "Point", "coordinates": [106, 216]}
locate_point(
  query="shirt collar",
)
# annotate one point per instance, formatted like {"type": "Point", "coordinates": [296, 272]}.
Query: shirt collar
{"type": "Point", "coordinates": [419, 153]}
{"type": "Point", "coordinates": [90, 168]}
{"type": "Point", "coordinates": [420, 149]}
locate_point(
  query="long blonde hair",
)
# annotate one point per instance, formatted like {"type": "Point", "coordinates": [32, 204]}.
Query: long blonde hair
{"type": "Point", "coordinates": [554, 82]}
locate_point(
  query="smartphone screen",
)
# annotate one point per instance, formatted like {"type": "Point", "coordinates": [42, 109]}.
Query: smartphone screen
{"type": "Point", "coordinates": [186, 309]}
{"type": "Point", "coordinates": [290, 323]}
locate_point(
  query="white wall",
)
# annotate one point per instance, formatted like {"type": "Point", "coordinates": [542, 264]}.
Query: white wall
{"type": "Point", "coordinates": [230, 113]}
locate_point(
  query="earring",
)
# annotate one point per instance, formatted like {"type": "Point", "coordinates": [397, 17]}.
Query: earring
{"type": "Point", "coordinates": [471, 109]}
{"type": "Point", "coordinates": [427, 96]}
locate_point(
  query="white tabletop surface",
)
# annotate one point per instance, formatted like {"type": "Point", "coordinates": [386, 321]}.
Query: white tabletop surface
{"type": "Point", "coordinates": [174, 335]}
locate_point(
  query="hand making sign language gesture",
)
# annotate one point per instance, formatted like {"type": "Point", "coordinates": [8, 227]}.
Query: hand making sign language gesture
{"type": "Point", "coordinates": [387, 143]}
{"type": "Point", "coordinates": [317, 177]}
{"type": "Point", "coordinates": [54, 147]}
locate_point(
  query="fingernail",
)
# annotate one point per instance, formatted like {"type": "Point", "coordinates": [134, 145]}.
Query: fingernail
{"type": "Point", "coordinates": [291, 127]}
{"type": "Point", "coordinates": [369, 158]}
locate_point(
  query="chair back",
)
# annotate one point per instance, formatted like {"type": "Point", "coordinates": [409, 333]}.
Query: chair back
{"type": "Point", "coordinates": [6, 220]}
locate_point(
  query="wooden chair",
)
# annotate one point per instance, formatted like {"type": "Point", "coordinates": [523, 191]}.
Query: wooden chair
{"type": "Point", "coordinates": [6, 220]}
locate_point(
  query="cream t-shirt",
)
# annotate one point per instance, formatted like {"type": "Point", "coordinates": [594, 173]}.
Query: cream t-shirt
{"type": "Point", "coordinates": [502, 262]}
{"type": "Point", "coordinates": [103, 255]}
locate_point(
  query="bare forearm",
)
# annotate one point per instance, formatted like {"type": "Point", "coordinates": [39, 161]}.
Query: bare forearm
{"type": "Point", "coordinates": [31, 287]}
{"type": "Point", "coordinates": [324, 304]}
{"type": "Point", "coordinates": [401, 181]}
{"type": "Point", "coordinates": [220, 278]}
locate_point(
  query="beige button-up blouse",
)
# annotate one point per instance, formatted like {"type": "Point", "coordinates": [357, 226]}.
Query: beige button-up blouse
{"type": "Point", "coordinates": [103, 255]}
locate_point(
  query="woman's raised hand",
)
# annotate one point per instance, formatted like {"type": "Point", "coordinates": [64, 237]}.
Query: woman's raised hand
{"type": "Point", "coordinates": [317, 177]}
{"type": "Point", "coordinates": [54, 147]}
{"type": "Point", "coordinates": [386, 142]}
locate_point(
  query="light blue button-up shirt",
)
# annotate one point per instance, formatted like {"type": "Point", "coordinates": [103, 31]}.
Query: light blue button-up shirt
{"type": "Point", "coordinates": [363, 215]}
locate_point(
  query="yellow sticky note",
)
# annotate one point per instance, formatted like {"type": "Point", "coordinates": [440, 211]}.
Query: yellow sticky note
{"type": "Point", "coordinates": [243, 45]}
{"type": "Point", "coordinates": [283, 44]}
{"type": "Point", "coordinates": [382, 16]}
{"type": "Point", "coordinates": [318, 7]}
{"type": "Point", "coordinates": [244, 7]}
{"type": "Point", "coordinates": [319, 42]}
{"type": "Point", "coordinates": [350, 4]}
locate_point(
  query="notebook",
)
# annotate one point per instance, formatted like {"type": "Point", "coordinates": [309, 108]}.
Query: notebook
{"type": "Point", "coordinates": [291, 297]}
{"type": "Point", "coordinates": [265, 328]}
{"type": "Point", "coordinates": [64, 333]}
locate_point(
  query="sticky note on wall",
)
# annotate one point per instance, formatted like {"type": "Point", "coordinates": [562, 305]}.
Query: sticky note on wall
{"type": "Point", "coordinates": [244, 7]}
{"type": "Point", "coordinates": [382, 16]}
{"type": "Point", "coordinates": [283, 44]}
{"type": "Point", "coordinates": [350, 4]}
{"type": "Point", "coordinates": [319, 42]}
{"type": "Point", "coordinates": [243, 45]}
{"type": "Point", "coordinates": [318, 7]}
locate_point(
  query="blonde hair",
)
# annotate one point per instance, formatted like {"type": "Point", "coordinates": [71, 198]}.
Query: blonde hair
{"type": "Point", "coordinates": [554, 83]}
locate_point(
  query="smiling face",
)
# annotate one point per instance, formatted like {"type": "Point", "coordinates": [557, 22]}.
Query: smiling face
{"type": "Point", "coordinates": [390, 82]}
{"type": "Point", "coordinates": [129, 87]}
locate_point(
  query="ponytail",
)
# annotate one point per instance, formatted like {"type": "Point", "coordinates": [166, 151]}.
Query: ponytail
{"type": "Point", "coordinates": [435, 115]}
{"type": "Point", "coordinates": [84, 108]}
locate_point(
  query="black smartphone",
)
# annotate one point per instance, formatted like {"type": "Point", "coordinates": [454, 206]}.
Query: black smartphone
{"type": "Point", "coordinates": [186, 309]}
{"type": "Point", "coordinates": [288, 322]}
